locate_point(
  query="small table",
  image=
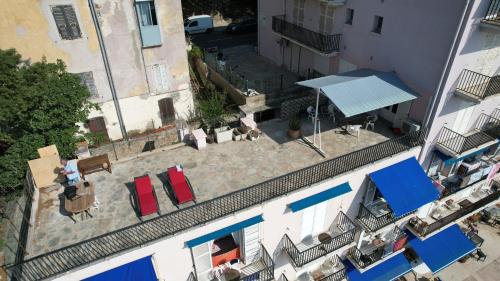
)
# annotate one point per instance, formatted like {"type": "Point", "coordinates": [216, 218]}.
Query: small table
{"type": "Point", "coordinates": [324, 238]}
{"type": "Point", "coordinates": [465, 203]}
{"type": "Point", "coordinates": [232, 275]}
{"type": "Point", "coordinates": [85, 193]}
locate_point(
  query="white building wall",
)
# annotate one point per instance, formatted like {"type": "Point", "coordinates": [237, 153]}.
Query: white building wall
{"type": "Point", "coordinates": [173, 258]}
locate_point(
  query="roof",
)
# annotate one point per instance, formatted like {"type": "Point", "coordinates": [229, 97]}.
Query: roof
{"type": "Point", "coordinates": [320, 197]}
{"type": "Point", "coordinates": [138, 270]}
{"type": "Point", "coordinates": [199, 17]}
{"type": "Point", "coordinates": [389, 269]}
{"type": "Point", "coordinates": [443, 248]}
{"type": "Point", "coordinates": [362, 90]}
{"type": "Point", "coordinates": [405, 186]}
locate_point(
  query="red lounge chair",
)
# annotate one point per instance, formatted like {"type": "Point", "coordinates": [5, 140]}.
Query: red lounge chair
{"type": "Point", "coordinates": [183, 192]}
{"type": "Point", "coordinates": [145, 196]}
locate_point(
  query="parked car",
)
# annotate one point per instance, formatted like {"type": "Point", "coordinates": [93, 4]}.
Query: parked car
{"type": "Point", "coordinates": [198, 24]}
{"type": "Point", "coordinates": [242, 26]}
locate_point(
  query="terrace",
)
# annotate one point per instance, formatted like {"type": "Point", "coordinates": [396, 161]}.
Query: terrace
{"type": "Point", "coordinates": [332, 269]}
{"type": "Point", "coordinates": [223, 181]}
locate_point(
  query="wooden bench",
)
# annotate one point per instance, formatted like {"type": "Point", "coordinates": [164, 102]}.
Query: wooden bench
{"type": "Point", "coordinates": [94, 164]}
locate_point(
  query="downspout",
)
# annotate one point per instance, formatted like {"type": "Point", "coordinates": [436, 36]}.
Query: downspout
{"type": "Point", "coordinates": [432, 108]}
{"type": "Point", "coordinates": [107, 67]}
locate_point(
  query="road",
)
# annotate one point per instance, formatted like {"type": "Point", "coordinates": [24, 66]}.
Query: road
{"type": "Point", "coordinates": [224, 40]}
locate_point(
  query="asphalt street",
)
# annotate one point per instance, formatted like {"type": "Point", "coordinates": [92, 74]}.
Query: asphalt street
{"type": "Point", "coordinates": [223, 40]}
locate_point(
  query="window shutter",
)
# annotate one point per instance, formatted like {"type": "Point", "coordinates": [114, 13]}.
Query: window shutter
{"type": "Point", "coordinates": [160, 75]}
{"type": "Point", "coordinates": [66, 21]}
{"type": "Point", "coordinates": [167, 110]}
{"type": "Point", "coordinates": [87, 79]}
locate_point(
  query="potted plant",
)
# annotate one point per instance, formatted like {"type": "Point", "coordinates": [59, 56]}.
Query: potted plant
{"type": "Point", "coordinates": [214, 116]}
{"type": "Point", "coordinates": [294, 128]}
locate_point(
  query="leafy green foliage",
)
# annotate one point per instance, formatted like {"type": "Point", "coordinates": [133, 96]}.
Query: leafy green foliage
{"type": "Point", "coordinates": [41, 103]}
{"type": "Point", "coordinates": [212, 111]}
{"type": "Point", "coordinates": [294, 123]}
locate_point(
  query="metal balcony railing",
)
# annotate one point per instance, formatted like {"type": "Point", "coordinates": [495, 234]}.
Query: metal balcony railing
{"type": "Point", "coordinates": [493, 14]}
{"type": "Point", "coordinates": [302, 257]}
{"type": "Point", "coordinates": [337, 275]}
{"type": "Point", "coordinates": [478, 85]}
{"type": "Point", "coordinates": [323, 43]}
{"type": "Point", "coordinates": [496, 113]}
{"type": "Point", "coordinates": [487, 129]}
{"type": "Point", "coordinates": [73, 256]}
{"type": "Point", "coordinates": [418, 226]}
{"type": "Point", "coordinates": [372, 222]}
{"type": "Point", "coordinates": [376, 254]}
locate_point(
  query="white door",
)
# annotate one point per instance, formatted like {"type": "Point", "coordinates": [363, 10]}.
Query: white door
{"type": "Point", "coordinates": [462, 120]}
{"type": "Point", "coordinates": [202, 257]}
{"type": "Point", "coordinates": [313, 220]}
{"type": "Point", "coordinates": [251, 238]}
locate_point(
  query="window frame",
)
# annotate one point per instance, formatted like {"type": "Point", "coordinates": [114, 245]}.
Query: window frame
{"type": "Point", "coordinates": [349, 16]}
{"type": "Point", "coordinates": [153, 18]}
{"type": "Point", "coordinates": [378, 23]}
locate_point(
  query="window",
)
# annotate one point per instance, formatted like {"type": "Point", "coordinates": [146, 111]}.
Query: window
{"type": "Point", "coordinates": [377, 24]}
{"type": "Point", "coordinates": [66, 22]}
{"type": "Point", "coordinates": [349, 16]}
{"type": "Point", "coordinates": [160, 77]}
{"type": "Point", "coordinates": [326, 19]}
{"type": "Point", "coordinates": [193, 23]}
{"type": "Point", "coordinates": [147, 13]}
{"type": "Point", "coordinates": [298, 12]}
{"type": "Point", "coordinates": [148, 23]}
{"type": "Point", "coordinates": [87, 79]}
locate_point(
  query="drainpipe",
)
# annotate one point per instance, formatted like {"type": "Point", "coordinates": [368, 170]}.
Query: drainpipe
{"type": "Point", "coordinates": [107, 67]}
{"type": "Point", "coordinates": [432, 108]}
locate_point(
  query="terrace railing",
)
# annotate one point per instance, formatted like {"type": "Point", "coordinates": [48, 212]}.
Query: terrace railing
{"type": "Point", "coordinates": [265, 274]}
{"type": "Point", "coordinates": [487, 129]}
{"type": "Point", "coordinates": [372, 222]}
{"type": "Point", "coordinates": [112, 243]}
{"type": "Point", "coordinates": [377, 254]}
{"type": "Point", "coordinates": [338, 275]}
{"type": "Point", "coordinates": [493, 14]}
{"type": "Point", "coordinates": [423, 229]}
{"type": "Point", "coordinates": [478, 85]}
{"type": "Point", "coordinates": [321, 42]}
{"type": "Point", "coordinates": [302, 257]}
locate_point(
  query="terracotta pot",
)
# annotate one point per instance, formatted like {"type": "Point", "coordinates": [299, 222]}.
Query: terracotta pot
{"type": "Point", "coordinates": [294, 134]}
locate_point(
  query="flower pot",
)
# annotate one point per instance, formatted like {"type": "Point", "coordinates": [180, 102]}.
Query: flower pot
{"type": "Point", "coordinates": [223, 134]}
{"type": "Point", "coordinates": [294, 134]}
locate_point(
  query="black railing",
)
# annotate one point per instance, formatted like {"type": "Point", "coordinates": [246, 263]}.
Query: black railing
{"type": "Point", "coordinates": [192, 277]}
{"type": "Point", "coordinates": [488, 125]}
{"type": "Point", "coordinates": [265, 274]}
{"type": "Point", "coordinates": [417, 226]}
{"type": "Point", "coordinates": [302, 257]}
{"type": "Point", "coordinates": [478, 85]}
{"type": "Point", "coordinates": [496, 113]}
{"type": "Point", "coordinates": [119, 241]}
{"type": "Point", "coordinates": [339, 274]}
{"type": "Point", "coordinates": [372, 222]}
{"type": "Point", "coordinates": [376, 254]}
{"type": "Point", "coordinates": [493, 14]}
{"type": "Point", "coordinates": [323, 43]}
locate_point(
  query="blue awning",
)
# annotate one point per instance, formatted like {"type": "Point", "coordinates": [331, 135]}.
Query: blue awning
{"type": "Point", "coordinates": [443, 248]}
{"type": "Point", "coordinates": [405, 186]}
{"type": "Point", "coordinates": [362, 90]}
{"type": "Point", "coordinates": [388, 270]}
{"type": "Point", "coordinates": [139, 270]}
{"type": "Point", "coordinates": [224, 231]}
{"type": "Point", "coordinates": [320, 197]}
{"type": "Point", "coordinates": [448, 160]}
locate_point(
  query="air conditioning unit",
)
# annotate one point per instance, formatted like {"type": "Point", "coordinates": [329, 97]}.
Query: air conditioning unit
{"type": "Point", "coordinates": [409, 126]}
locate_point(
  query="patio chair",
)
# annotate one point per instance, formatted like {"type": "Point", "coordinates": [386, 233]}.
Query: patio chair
{"type": "Point", "coordinates": [351, 129]}
{"type": "Point", "coordinates": [481, 256]}
{"type": "Point", "coordinates": [181, 187]}
{"type": "Point", "coordinates": [311, 113]}
{"type": "Point", "coordinates": [145, 196]}
{"type": "Point", "coordinates": [371, 122]}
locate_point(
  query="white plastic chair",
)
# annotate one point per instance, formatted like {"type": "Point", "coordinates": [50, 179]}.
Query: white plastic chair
{"type": "Point", "coordinates": [331, 111]}
{"type": "Point", "coordinates": [371, 122]}
{"type": "Point", "coordinates": [311, 113]}
{"type": "Point", "coordinates": [351, 129]}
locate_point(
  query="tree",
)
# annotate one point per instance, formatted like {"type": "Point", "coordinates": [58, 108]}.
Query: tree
{"type": "Point", "coordinates": [41, 104]}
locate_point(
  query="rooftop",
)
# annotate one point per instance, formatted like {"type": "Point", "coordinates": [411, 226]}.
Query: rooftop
{"type": "Point", "coordinates": [213, 172]}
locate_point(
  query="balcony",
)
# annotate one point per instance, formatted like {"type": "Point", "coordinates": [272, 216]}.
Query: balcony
{"type": "Point", "coordinates": [485, 133]}
{"type": "Point", "coordinates": [376, 215]}
{"type": "Point", "coordinates": [377, 249]}
{"type": "Point", "coordinates": [341, 233]}
{"type": "Point", "coordinates": [449, 212]}
{"type": "Point", "coordinates": [322, 43]}
{"type": "Point", "coordinates": [332, 269]}
{"type": "Point", "coordinates": [492, 17]}
{"type": "Point", "coordinates": [218, 196]}
{"type": "Point", "coordinates": [476, 86]}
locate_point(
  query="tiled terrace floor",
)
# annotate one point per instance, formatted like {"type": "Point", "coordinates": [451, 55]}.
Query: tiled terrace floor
{"type": "Point", "coordinates": [213, 172]}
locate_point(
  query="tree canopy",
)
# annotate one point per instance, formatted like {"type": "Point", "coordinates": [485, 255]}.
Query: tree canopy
{"type": "Point", "coordinates": [41, 103]}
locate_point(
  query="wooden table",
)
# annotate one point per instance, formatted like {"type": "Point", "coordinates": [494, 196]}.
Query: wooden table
{"type": "Point", "coordinates": [85, 197]}
{"type": "Point", "coordinates": [94, 164]}
{"type": "Point", "coordinates": [324, 238]}
{"type": "Point", "coordinates": [232, 275]}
